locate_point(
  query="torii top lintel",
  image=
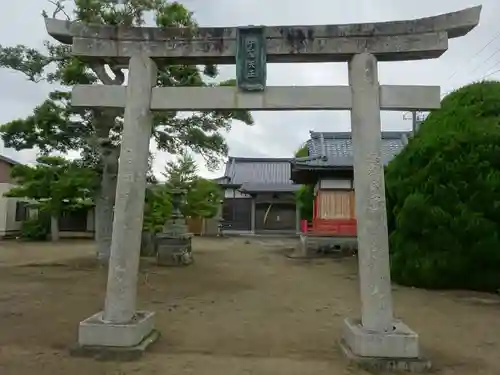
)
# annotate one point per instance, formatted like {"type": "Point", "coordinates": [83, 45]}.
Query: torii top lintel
{"type": "Point", "coordinates": [416, 39]}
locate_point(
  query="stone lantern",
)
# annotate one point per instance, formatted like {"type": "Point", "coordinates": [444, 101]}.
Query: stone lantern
{"type": "Point", "coordinates": [173, 244]}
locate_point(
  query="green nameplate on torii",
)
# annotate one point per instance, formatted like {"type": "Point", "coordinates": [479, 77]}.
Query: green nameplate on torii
{"type": "Point", "coordinates": [251, 58]}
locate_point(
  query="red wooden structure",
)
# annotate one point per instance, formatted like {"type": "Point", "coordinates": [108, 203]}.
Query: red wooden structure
{"type": "Point", "coordinates": [330, 227]}
{"type": "Point", "coordinates": [328, 166]}
{"type": "Point", "coordinates": [333, 214]}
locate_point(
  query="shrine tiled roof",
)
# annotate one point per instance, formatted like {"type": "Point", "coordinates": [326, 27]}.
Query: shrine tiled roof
{"type": "Point", "coordinates": [334, 149]}
{"type": "Point", "coordinates": [259, 174]}
{"type": "Point", "coordinates": [8, 160]}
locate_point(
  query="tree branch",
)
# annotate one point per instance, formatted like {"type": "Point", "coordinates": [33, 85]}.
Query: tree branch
{"type": "Point", "coordinates": [100, 71]}
{"type": "Point", "coordinates": [59, 8]}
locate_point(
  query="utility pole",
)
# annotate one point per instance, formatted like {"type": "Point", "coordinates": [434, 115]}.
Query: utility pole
{"type": "Point", "coordinates": [416, 119]}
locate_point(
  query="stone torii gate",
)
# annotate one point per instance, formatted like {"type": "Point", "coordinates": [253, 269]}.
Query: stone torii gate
{"type": "Point", "coordinates": [377, 334]}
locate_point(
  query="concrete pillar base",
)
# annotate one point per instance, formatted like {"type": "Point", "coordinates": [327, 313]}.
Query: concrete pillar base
{"type": "Point", "coordinates": [397, 350]}
{"type": "Point", "coordinates": [115, 342]}
{"type": "Point", "coordinates": [94, 331]}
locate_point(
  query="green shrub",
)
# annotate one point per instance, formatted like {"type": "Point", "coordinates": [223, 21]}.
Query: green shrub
{"type": "Point", "coordinates": [36, 229]}
{"type": "Point", "coordinates": [305, 199]}
{"type": "Point", "coordinates": [305, 195]}
{"type": "Point", "coordinates": [443, 196]}
{"type": "Point", "coordinates": [157, 210]}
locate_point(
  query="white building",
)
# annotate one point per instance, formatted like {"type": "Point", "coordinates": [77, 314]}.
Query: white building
{"type": "Point", "coordinates": [12, 210]}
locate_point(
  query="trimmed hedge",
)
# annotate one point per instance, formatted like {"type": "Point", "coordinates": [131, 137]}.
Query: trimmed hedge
{"type": "Point", "coordinates": [443, 196]}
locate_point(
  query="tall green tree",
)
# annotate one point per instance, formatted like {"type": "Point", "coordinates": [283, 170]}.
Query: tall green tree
{"type": "Point", "coordinates": [202, 195]}
{"type": "Point", "coordinates": [305, 195]}
{"type": "Point", "coordinates": [54, 125]}
{"type": "Point", "coordinates": [182, 172]}
{"type": "Point", "coordinates": [302, 152]}
{"type": "Point", "coordinates": [56, 185]}
{"type": "Point", "coordinates": [158, 208]}
{"type": "Point", "coordinates": [203, 199]}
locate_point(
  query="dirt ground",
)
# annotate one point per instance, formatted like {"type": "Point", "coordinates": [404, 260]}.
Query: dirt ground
{"type": "Point", "coordinates": [242, 308]}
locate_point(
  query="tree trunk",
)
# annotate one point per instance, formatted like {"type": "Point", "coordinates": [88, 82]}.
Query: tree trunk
{"type": "Point", "coordinates": [105, 206]}
{"type": "Point", "coordinates": [54, 227]}
{"type": "Point", "coordinates": [109, 154]}
{"type": "Point", "coordinates": [105, 200]}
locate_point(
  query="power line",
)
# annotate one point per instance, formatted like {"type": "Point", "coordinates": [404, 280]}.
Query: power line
{"type": "Point", "coordinates": [480, 79]}
{"type": "Point", "coordinates": [497, 35]}
{"type": "Point", "coordinates": [496, 64]}
{"type": "Point", "coordinates": [490, 74]}
{"type": "Point", "coordinates": [486, 60]}
{"type": "Point", "coordinates": [414, 114]}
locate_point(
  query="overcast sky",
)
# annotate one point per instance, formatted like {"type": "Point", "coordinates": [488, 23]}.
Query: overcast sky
{"type": "Point", "coordinates": [279, 134]}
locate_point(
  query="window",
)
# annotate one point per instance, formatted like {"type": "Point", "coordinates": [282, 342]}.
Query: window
{"type": "Point", "coordinates": [21, 211]}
